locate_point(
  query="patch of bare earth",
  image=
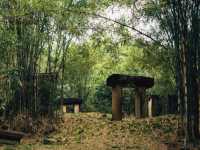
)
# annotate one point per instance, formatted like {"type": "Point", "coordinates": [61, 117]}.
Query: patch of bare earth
{"type": "Point", "coordinates": [90, 131]}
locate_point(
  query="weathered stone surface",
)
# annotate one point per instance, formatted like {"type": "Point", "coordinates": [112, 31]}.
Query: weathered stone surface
{"type": "Point", "coordinates": [129, 81]}
{"type": "Point", "coordinates": [116, 103]}
{"type": "Point", "coordinates": [140, 83]}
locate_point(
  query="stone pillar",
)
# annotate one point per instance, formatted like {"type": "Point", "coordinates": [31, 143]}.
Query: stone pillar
{"type": "Point", "coordinates": [76, 108]}
{"type": "Point", "coordinates": [150, 102]}
{"type": "Point", "coordinates": [116, 103]}
{"type": "Point", "coordinates": [64, 108]}
{"type": "Point", "coordinates": [139, 102]}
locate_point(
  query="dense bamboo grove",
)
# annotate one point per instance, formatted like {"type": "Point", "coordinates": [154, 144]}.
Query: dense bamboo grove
{"type": "Point", "coordinates": [67, 48]}
{"type": "Point", "coordinates": [35, 39]}
{"type": "Point", "coordinates": [180, 21]}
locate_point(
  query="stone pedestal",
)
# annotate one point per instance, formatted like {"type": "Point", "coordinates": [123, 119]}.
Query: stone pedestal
{"type": "Point", "coordinates": [141, 83]}
{"type": "Point", "coordinates": [154, 106]}
{"type": "Point", "coordinates": [76, 108]}
{"type": "Point", "coordinates": [116, 103]}
{"type": "Point", "coordinates": [139, 102]}
{"type": "Point", "coordinates": [64, 108]}
{"type": "Point", "coordinates": [150, 102]}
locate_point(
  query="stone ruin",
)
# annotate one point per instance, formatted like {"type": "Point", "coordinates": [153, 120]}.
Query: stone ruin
{"type": "Point", "coordinates": [139, 83]}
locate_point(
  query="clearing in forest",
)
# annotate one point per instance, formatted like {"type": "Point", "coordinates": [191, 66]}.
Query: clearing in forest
{"type": "Point", "coordinates": [96, 131]}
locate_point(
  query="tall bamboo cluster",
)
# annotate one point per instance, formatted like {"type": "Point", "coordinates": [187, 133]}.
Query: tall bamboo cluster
{"type": "Point", "coordinates": [184, 21]}
{"type": "Point", "coordinates": [179, 21]}
{"type": "Point", "coordinates": [39, 45]}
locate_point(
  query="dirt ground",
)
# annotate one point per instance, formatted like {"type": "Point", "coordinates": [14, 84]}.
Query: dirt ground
{"type": "Point", "coordinates": [96, 131]}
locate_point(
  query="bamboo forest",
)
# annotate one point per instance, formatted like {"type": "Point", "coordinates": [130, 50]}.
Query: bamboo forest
{"type": "Point", "coordinates": [99, 74]}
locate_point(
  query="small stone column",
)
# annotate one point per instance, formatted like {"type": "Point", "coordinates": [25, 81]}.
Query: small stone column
{"type": "Point", "coordinates": [139, 102]}
{"type": "Point", "coordinates": [116, 103]}
{"type": "Point", "coordinates": [64, 108]}
{"type": "Point", "coordinates": [76, 108]}
{"type": "Point", "coordinates": [150, 102]}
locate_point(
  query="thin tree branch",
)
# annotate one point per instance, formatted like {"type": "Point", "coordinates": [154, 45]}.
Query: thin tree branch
{"type": "Point", "coordinates": [103, 17]}
{"type": "Point", "coordinates": [121, 24]}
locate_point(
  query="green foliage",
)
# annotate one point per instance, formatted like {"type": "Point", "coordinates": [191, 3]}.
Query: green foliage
{"type": "Point", "coordinates": [9, 83]}
{"type": "Point", "coordinates": [35, 36]}
{"type": "Point", "coordinates": [103, 99]}
{"type": "Point", "coordinates": [47, 94]}
{"type": "Point", "coordinates": [78, 71]}
{"type": "Point", "coordinates": [47, 36]}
